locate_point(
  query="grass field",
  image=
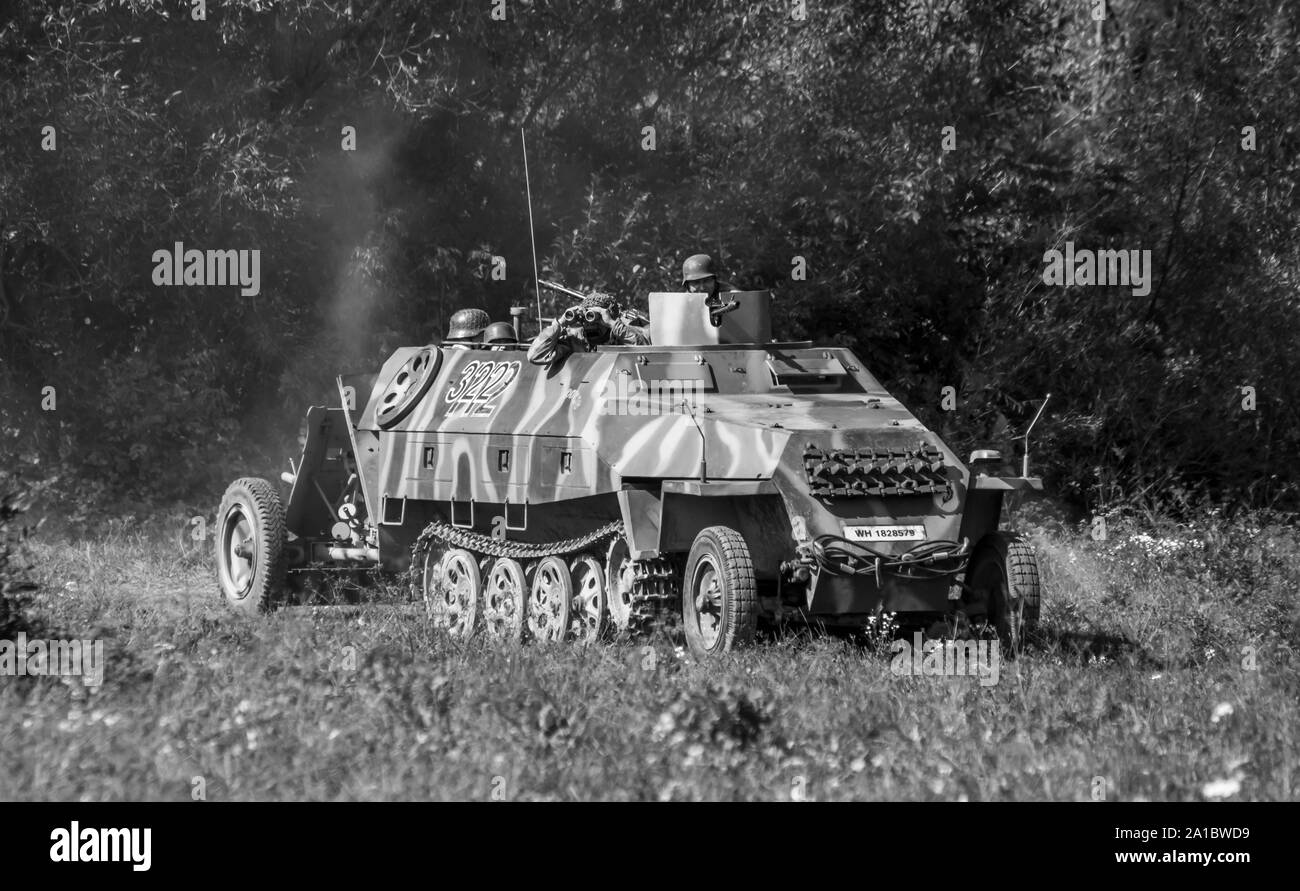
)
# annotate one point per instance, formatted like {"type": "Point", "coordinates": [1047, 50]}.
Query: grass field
{"type": "Point", "coordinates": [1166, 669]}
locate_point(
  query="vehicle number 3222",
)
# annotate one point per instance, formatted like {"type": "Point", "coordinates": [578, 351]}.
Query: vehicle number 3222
{"type": "Point", "coordinates": [481, 384]}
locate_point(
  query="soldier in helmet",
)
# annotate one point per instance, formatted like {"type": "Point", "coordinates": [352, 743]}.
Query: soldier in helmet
{"type": "Point", "coordinates": [699, 276]}
{"type": "Point", "coordinates": [560, 338]}
{"type": "Point", "coordinates": [466, 327]}
{"type": "Point", "coordinates": [498, 334]}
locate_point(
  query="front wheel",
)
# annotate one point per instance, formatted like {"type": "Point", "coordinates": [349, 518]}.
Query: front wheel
{"type": "Point", "coordinates": [251, 536]}
{"type": "Point", "coordinates": [719, 597]}
{"type": "Point", "coordinates": [1004, 587]}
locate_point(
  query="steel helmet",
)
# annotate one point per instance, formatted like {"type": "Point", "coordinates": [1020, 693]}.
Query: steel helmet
{"type": "Point", "coordinates": [500, 332]}
{"type": "Point", "coordinates": [603, 300]}
{"type": "Point", "coordinates": [696, 267]}
{"type": "Point", "coordinates": [466, 324]}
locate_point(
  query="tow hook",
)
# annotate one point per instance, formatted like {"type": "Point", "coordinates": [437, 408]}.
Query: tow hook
{"type": "Point", "coordinates": [797, 571]}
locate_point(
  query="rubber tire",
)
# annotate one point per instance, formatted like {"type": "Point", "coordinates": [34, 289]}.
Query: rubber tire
{"type": "Point", "coordinates": [727, 550]}
{"type": "Point", "coordinates": [1015, 611]}
{"type": "Point", "coordinates": [260, 503]}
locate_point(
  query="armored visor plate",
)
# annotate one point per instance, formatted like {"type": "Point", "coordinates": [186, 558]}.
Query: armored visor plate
{"type": "Point", "coordinates": [683, 319]}
{"type": "Point", "coordinates": [885, 533]}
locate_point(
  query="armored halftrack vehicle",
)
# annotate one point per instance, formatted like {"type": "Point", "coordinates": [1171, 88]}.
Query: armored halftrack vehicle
{"type": "Point", "coordinates": [715, 476]}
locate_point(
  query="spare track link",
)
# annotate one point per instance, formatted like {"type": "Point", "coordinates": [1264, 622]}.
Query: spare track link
{"type": "Point", "coordinates": [656, 587]}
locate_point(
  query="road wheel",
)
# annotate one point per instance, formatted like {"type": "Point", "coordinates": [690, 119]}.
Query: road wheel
{"type": "Point", "coordinates": [451, 591]}
{"type": "Point", "coordinates": [619, 578]}
{"type": "Point", "coordinates": [251, 545]}
{"type": "Point", "coordinates": [1005, 589]}
{"type": "Point", "coordinates": [407, 386]}
{"type": "Point", "coordinates": [589, 613]}
{"type": "Point", "coordinates": [549, 597]}
{"type": "Point", "coordinates": [719, 598]}
{"type": "Point", "coordinates": [505, 600]}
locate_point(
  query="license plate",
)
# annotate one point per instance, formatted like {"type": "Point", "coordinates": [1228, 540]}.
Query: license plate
{"type": "Point", "coordinates": [884, 533]}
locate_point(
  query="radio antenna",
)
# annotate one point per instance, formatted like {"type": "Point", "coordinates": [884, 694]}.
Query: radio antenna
{"type": "Point", "coordinates": [532, 234]}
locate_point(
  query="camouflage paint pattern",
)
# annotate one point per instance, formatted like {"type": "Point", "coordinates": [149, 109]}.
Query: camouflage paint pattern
{"type": "Point", "coordinates": [559, 444]}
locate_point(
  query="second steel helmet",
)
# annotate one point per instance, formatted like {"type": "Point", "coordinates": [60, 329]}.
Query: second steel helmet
{"type": "Point", "coordinates": [467, 324]}
{"type": "Point", "coordinates": [500, 332]}
{"type": "Point", "coordinates": [696, 267]}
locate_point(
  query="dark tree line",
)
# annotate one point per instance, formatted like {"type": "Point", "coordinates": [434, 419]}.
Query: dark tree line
{"type": "Point", "coordinates": [1166, 126]}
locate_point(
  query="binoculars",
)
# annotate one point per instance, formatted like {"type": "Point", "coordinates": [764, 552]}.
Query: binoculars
{"type": "Point", "coordinates": [576, 314]}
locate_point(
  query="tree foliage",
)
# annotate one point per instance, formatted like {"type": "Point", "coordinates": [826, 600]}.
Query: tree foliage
{"type": "Point", "coordinates": [775, 137]}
